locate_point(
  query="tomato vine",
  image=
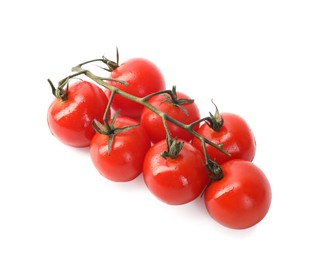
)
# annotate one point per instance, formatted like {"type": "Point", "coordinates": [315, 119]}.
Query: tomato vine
{"type": "Point", "coordinates": [61, 90]}
{"type": "Point", "coordinates": [158, 132]}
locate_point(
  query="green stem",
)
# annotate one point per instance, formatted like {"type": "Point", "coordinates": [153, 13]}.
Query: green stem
{"type": "Point", "coordinates": [164, 121]}
{"type": "Point", "coordinates": [167, 91]}
{"type": "Point", "coordinates": [212, 166]}
{"type": "Point", "coordinates": [90, 61]}
{"type": "Point", "coordinates": [143, 101]}
{"type": "Point", "coordinates": [108, 107]}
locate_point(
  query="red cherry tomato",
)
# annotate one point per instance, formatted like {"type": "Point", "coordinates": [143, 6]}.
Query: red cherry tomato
{"type": "Point", "coordinates": [177, 180]}
{"type": "Point", "coordinates": [235, 136]}
{"type": "Point", "coordinates": [143, 78]}
{"type": "Point", "coordinates": [127, 152]}
{"type": "Point", "coordinates": [70, 120]}
{"type": "Point", "coordinates": [154, 124]}
{"type": "Point", "coordinates": [241, 198]}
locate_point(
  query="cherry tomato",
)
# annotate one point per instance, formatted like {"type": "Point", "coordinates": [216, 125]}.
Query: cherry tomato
{"type": "Point", "coordinates": [185, 113]}
{"type": "Point", "coordinates": [127, 152]}
{"type": "Point", "coordinates": [177, 180]}
{"type": "Point", "coordinates": [143, 78]}
{"type": "Point", "coordinates": [70, 120]}
{"type": "Point", "coordinates": [235, 136]}
{"type": "Point", "coordinates": [241, 198]}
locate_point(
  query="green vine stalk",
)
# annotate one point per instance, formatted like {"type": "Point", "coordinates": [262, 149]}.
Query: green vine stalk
{"type": "Point", "coordinates": [61, 92]}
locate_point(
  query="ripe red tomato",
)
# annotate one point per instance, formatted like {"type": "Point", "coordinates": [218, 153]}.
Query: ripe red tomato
{"type": "Point", "coordinates": [154, 124]}
{"type": "Point", "coordinates": [235, 136]}
{"type": "Point", "coordinates": [127, 152]}
{"type": "Point", "coordinates": [70, 120]}
{"type": "Point", "coordinates": [143, 78]}
{"type": "Point", "coordinates": [177, 180]}
{"type": "Point", "coordinates": [241, 198]}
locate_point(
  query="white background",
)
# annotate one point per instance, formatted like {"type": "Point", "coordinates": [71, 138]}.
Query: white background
{"type": "Point", "coordinates": [254, 58]}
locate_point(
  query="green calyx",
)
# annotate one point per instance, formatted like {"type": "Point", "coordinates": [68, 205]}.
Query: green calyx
{"type": "Point", "coordinates": [173, 99]}
{"type": "Point", "coordinates": [109, 129]}
{"type": "Point", "coordinates": [60, 92]}
{"type": "Point", "coordinates": [173, 148]}
{"type": "Point", "coordinates": [214, 170]}
{"type": "Point", "coordinates": [111, 65]}
{"type": "Point", "coordinates": [215, 121]}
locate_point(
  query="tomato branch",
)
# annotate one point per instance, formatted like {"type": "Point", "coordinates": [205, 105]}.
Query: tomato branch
{"type": "Point", "coordinates": [143, 101]}
{"type": "Point", "coordinates": [173, 145]}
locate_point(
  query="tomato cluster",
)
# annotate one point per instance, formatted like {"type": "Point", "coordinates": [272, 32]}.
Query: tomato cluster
{"type": "Point", "coordinates": [135, 126]}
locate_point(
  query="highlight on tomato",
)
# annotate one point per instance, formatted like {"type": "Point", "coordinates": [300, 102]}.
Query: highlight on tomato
{"type": "Point", "coordinates": [118, 149]}
{"type": "Point", "coordinates": [176, 105]}
{"type": "Point", "coordinates": [232, 132]}
{"type": "Point", "coordinates": [242, 198]}
{"type": "Point", "coordinates": [71, 113]}
{"type": "Point", "coordinates": [174, 172]}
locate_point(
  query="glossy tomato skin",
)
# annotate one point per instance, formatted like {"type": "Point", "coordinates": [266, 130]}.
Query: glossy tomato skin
{"type": "Point", "coordinates": [127, 153]}
{"type": "Point", "coordinates": [154, 124]}
{"type": "Point", "coordinates": [143, 78]}
{"type": "Point", "coordinates": [70, 121]}
{"type": "Point", "coordinates": [175, 181]}
{"type": "Point", "coordinates": [235, 135]}
{"type": "Point", "coordinates": [242, 198]}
